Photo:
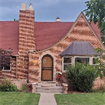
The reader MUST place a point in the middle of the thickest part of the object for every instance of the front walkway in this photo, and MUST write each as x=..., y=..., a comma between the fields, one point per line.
x=47, y=99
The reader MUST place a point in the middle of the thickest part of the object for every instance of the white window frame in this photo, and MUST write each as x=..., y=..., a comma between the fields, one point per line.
x=82, y=57
x=66, y=63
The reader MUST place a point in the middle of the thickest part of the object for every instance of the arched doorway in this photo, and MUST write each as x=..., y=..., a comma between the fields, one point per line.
x=47, y=68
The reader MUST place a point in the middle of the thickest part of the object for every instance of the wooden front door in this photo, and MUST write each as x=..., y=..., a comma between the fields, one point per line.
x=47, y=68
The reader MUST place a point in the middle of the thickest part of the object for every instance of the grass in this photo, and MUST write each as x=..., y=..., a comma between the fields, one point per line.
x=19, y=98
x=80, y=99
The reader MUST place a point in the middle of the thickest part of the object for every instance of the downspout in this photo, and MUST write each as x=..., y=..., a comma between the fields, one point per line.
x=16, y=67
x=28, y=70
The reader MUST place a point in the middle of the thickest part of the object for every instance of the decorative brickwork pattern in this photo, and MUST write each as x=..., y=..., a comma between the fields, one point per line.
x=26, y=41
x=81, y=32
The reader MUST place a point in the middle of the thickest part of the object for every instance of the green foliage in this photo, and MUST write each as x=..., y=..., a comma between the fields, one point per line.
x=81, y=77
x=24, y=87
x=6, y=85
x=101, y=65
x=96, y=13
x=80, y=99
x=15, y=19
x=19, y=98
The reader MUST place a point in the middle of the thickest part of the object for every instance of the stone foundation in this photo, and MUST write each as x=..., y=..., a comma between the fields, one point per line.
x=65, y=87
x=99, y=83
x=19, y=82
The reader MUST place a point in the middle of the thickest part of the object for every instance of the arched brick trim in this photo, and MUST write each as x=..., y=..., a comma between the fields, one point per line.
x=54, y=63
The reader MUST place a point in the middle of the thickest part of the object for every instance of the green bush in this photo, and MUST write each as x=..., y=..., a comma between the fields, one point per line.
x=81, y=77
x=24, y=87
x=6, y=85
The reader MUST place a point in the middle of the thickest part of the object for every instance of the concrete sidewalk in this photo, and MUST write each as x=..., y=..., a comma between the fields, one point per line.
x=47, y=99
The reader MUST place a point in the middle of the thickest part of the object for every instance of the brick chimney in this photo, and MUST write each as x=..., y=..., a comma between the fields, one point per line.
x=26, y=29
x=26, y=39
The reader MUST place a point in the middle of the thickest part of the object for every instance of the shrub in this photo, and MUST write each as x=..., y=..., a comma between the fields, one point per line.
x=6, y=85
x=81, y=77
x=24, y=87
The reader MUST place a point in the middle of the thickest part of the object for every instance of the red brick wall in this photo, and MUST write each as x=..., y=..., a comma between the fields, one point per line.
x=26, y=41
x=80, y=32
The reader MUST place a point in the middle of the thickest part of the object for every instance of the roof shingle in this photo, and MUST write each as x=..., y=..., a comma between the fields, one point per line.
x=9, y=35
x=46, y=34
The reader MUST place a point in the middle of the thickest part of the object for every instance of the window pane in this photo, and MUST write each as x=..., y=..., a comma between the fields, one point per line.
x=82, y=60
x=7, y=67
x=94, y=61
x=1, y=66
x=65, y=66
x=67, y=60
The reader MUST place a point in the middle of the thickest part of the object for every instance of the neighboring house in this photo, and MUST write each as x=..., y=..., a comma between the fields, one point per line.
x=41, y=49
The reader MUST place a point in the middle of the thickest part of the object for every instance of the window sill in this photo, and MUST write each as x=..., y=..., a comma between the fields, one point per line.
x=6, y=70
x=63, y=71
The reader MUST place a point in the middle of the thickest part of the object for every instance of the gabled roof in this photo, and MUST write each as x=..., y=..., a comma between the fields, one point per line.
x=46, y=34
x=96, y=29
x=93, y=27
x=49, y=33
x=79, y=48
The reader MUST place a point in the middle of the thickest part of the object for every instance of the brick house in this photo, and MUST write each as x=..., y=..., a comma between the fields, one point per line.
x=41, y=49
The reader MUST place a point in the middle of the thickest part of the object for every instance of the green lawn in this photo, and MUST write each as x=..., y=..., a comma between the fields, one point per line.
x=19, y=98
x=80, y=99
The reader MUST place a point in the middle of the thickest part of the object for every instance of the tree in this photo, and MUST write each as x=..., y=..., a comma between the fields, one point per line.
x=96, y=13
x=15, y=19
x=100, y=61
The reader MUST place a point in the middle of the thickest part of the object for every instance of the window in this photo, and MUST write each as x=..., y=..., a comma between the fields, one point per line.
x=94, y=60
x=5, y=59
x=84, y=60
x=66, y=61
x=6, y=64
x=7, y=67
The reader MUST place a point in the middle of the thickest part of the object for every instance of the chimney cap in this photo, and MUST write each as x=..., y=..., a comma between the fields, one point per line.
x=58, y=19
x=23, y=6
x=30, y=7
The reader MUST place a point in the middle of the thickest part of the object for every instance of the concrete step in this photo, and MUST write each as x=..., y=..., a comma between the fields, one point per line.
x=47, y=84
x=55, y=89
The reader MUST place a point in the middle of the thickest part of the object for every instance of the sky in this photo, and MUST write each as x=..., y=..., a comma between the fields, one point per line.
x=45, y=10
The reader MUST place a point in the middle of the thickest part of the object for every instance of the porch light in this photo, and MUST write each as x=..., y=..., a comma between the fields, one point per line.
x=35, y=62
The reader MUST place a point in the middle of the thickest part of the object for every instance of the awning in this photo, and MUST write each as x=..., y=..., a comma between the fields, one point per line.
x=79, y=48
